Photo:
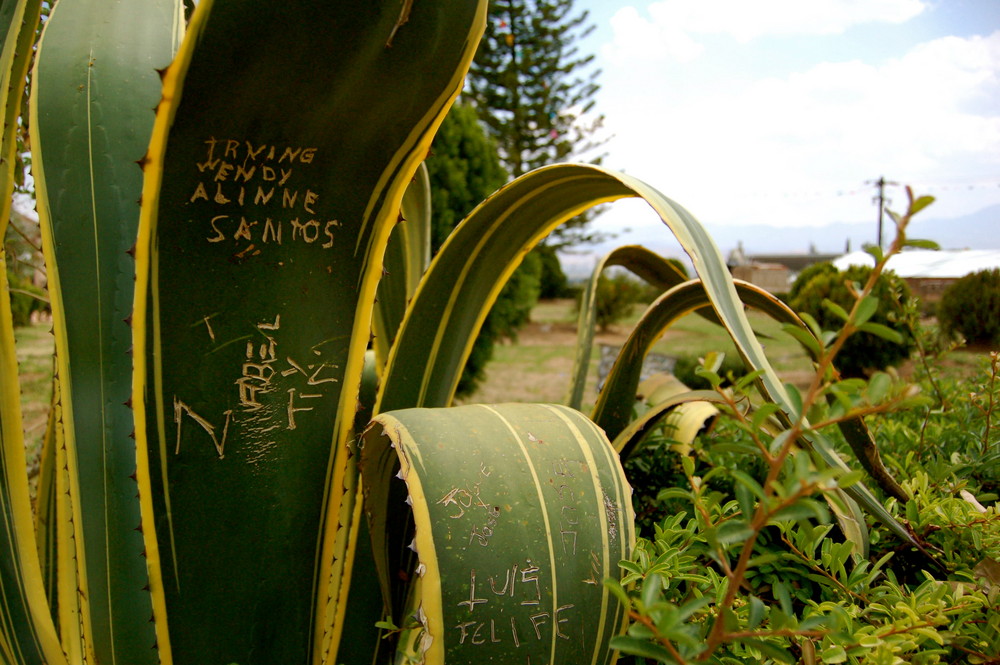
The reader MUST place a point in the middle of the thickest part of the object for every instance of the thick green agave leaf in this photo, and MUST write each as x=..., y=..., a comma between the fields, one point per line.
x=27, y=632
x=93, y=90
x=406, y=258
x=517, y=513
x=286, y=137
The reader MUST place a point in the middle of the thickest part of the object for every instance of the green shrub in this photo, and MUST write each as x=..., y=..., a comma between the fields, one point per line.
x=807, y=594
x=615, y=297
x=553, y=282
x=863, y=351
x=824, y=268
x=971, y=308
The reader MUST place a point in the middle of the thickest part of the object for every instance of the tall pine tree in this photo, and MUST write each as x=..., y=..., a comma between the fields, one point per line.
x=534, y=90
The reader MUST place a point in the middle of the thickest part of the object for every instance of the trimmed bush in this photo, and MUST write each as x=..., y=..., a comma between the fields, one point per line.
x=863, y=352
x=971, y=308
x=615, y=297
x=823, y=268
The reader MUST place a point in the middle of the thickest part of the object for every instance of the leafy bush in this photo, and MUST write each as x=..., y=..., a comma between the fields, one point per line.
x=553, y=279
x=971, y=308
x=615, y=297
x=822, y=268
x=808, y=594
x=864, y=351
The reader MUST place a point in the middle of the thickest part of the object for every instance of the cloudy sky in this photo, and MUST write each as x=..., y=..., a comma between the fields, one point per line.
x=778, y=111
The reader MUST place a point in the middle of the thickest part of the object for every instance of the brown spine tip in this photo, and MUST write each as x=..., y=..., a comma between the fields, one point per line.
x=128, y=402
x=162, y=73
x=128, y=320
x=131, y=251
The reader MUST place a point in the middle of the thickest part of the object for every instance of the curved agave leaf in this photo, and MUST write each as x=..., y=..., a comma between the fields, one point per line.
x=518, y=513
x=685, y=421
x=629, y=438
x=46, y=502
x=273, y=180
x=27, y=632
x=93, y=88
x=648, y=265
x=406, y=259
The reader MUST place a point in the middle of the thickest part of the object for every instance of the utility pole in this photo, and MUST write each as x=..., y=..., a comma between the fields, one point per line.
x=882, y=201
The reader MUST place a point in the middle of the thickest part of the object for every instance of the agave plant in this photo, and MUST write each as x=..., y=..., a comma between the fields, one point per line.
x=211, y=493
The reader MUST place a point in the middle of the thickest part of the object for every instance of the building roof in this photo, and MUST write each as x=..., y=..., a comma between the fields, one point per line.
x=943, y=264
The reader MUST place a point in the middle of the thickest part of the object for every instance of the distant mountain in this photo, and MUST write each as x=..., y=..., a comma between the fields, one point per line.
x=979, y=230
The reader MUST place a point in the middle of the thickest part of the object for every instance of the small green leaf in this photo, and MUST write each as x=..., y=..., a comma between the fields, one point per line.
x=617, y=590
x=920, y=203
x=781, y=593
x=811, y=322
x=651, y=588
x=882, y=331
x=771, y=650
x=805, y=338
x=642, y=648
x=835, y=309
x=878, y=387
x=713, y=361
x=834, y=654
x=794, y=400
x=745, y=499
x=922, y=244
x=850, y=478
x=875, y=251
x=688, y=465
x=802, y=509
x=866, y=308
x=745, y=480
x=733, y=531
x=757, y=612
x=763, y=413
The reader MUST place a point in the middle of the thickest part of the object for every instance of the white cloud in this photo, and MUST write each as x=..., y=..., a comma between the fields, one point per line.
x=778, y=150
x=669, y=30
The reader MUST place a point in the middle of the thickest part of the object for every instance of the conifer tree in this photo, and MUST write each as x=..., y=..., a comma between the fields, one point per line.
x=534, y=90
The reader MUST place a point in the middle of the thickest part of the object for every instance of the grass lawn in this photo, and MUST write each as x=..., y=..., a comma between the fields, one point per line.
x=535, y=368
x=538, y=365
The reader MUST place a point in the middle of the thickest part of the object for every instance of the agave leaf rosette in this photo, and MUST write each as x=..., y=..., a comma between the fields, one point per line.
x=467, y=274
x=514, y=515
x=282, y=147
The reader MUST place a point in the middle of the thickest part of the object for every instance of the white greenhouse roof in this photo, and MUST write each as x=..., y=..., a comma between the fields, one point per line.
x=928, y=263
